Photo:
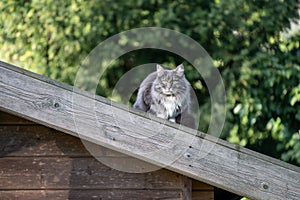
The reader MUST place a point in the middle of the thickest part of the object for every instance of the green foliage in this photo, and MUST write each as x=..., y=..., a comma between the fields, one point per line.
x=259, y=66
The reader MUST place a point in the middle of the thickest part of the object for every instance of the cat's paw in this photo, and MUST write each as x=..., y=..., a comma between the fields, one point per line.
x=172, y=120
x=162, y=115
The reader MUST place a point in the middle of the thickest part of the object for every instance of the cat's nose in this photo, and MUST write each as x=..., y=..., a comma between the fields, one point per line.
x=169, y=91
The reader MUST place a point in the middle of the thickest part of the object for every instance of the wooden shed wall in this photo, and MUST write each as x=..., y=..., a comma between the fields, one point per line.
x=37, y=162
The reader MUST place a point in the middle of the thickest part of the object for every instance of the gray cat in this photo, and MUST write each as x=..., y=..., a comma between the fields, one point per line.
x=164, y=93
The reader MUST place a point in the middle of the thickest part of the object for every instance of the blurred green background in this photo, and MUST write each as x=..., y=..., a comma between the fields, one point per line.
x=250, y=42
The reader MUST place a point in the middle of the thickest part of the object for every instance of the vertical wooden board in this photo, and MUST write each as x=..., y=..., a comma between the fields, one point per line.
x=90, y=194
x=186, y=188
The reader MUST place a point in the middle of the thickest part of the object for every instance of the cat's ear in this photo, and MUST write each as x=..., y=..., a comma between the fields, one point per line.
x=180, y=70
x=159, y=70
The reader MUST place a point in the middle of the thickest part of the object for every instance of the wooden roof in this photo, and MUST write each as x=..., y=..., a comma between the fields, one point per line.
x=204, y=158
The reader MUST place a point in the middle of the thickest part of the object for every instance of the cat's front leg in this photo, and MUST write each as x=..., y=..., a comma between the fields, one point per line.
x=158, y=111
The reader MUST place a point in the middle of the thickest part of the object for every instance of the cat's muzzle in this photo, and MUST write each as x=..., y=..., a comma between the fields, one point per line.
x=170, y=95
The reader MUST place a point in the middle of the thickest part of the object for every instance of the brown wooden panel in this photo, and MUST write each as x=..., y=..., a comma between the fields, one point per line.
x=197, y=185
x=38, y=141
x=6, y=118
x=43, y=141
x=186, y=188
x=78, y=173
x=203, y=195
x=214, y=161
x=90, y=194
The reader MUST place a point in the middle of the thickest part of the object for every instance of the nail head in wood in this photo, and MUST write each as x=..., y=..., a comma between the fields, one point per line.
x=265, y=186
x=187, y=155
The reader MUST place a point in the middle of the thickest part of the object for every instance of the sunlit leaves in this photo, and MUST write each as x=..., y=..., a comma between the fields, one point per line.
x=259, y=66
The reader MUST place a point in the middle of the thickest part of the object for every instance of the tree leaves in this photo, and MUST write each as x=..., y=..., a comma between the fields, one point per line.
x=259, y=66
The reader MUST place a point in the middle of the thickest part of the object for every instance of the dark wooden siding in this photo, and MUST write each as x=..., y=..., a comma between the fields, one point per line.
x=37, y=162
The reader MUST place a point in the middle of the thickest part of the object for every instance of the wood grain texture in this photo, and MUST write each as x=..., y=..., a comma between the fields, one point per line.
x=16, y=140
x=78, y=173
x=38, y=140
x=8, y=119
x=186, y=188
x=197, y=185
x=202, y=195
x=91, y=194
x=114, y=126
x=32, y=156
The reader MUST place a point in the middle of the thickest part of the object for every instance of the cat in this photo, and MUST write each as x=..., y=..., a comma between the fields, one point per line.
x=165, y=93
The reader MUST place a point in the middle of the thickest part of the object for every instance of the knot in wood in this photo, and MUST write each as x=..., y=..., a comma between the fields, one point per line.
x=265, y=186
x=112, y=132
x=56, y=105
x=187, y=155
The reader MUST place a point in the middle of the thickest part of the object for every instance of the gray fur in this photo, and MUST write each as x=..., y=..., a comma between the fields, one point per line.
x=164, y=93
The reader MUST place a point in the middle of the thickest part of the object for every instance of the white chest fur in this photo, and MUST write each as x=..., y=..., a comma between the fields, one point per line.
x=171, y=105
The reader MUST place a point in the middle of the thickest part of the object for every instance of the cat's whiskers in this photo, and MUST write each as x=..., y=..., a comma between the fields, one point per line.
x=165, y=93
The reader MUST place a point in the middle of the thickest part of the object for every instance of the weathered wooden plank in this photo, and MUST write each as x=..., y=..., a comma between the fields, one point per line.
x=38, y=141
x=210, y=160
x=8, y=119
x=90, y=194
x=186, y=188
x=42, y=141
x=78, y=173
x=197, y=185
x=203, y=195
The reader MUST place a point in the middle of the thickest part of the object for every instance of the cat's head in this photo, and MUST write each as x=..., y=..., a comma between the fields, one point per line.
x=170, y=82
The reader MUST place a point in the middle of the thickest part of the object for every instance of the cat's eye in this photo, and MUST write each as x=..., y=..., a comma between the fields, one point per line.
x=164, y=82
